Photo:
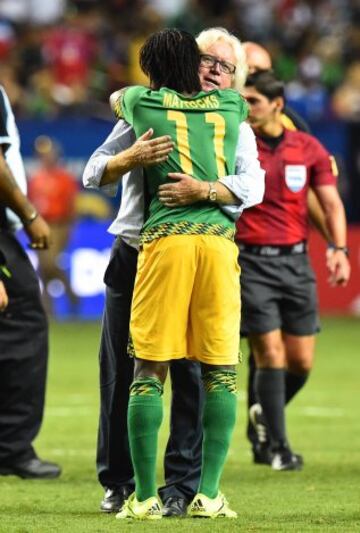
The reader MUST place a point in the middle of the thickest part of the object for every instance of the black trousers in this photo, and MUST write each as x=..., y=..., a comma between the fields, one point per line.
x=183, y=452
x=23, y=355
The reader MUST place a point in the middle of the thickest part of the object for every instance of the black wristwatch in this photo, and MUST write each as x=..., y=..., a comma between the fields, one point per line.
x=344, y=249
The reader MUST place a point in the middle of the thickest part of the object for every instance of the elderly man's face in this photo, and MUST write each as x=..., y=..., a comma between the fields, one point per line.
x=216, y=76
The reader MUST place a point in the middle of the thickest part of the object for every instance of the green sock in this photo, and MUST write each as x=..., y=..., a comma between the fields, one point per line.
x=219, y=419
x=145, y=413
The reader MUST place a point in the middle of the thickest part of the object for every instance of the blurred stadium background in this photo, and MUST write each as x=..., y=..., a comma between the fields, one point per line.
x=60, y=60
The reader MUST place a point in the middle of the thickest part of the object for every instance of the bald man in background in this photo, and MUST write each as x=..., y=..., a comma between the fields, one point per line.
x=258, y=58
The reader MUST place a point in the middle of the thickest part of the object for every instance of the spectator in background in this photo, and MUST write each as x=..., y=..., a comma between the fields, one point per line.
x=53, y=190
x=23, y=325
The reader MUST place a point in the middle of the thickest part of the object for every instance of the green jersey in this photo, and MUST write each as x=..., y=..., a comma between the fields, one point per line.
x=205, y=130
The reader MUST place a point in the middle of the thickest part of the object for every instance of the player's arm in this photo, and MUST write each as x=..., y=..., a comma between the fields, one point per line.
x=337, y=261
x=12, y=196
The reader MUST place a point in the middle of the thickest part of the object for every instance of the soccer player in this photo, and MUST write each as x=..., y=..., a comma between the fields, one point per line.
x=278, y=285
x=186, y=301
x=183, y=453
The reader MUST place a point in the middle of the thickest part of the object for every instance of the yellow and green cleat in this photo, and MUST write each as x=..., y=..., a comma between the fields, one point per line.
x=204, y=507
x=149, y=509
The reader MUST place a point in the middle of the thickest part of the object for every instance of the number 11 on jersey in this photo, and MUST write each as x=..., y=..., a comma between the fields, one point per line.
x=182, y=139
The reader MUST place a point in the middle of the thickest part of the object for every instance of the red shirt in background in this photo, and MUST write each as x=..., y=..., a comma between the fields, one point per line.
x=53, y=193
x=297, y=163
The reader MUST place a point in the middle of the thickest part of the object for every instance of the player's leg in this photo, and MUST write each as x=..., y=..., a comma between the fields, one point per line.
x=113, y=460
x=158, y=334
x=145, y=414
x=219, y=417
x=214, y=340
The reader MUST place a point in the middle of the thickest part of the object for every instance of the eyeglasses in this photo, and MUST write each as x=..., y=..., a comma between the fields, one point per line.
x=211, y=61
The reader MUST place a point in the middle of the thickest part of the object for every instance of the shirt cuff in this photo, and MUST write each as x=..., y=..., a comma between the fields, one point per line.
x=93, y=174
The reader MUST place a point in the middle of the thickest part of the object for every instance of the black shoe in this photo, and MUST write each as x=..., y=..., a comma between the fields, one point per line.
x=262, y=453
x=285, y=459
x=175, y=506
x=114, y=499
x=33, y=468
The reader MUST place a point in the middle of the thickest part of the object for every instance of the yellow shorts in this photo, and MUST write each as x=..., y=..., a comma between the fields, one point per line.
x=186, y=301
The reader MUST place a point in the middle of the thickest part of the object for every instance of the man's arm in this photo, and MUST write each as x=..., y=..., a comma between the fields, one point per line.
x=3, y=297
x=12, y=196
x=234, y=193
x=337, y=261
x=144, y=152
x=120, y=153
x=187, y=190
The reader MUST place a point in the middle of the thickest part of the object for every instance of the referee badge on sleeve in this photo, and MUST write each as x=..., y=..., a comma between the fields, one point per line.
x=295, y=177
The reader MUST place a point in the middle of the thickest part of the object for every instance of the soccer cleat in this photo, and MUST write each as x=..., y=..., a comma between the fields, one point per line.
x=204, y=507
x=285, y=459
x=257, y=419
x=150, y=509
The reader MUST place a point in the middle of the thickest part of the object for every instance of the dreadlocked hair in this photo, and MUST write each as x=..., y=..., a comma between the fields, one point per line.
x=171, y=59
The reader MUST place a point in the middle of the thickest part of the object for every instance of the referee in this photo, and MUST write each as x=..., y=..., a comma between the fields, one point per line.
x=278, y=285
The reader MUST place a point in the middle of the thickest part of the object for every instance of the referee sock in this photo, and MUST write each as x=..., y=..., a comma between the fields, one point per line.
x=219, y=419
x=293, y=383
x=145, y=413
x=270, y=389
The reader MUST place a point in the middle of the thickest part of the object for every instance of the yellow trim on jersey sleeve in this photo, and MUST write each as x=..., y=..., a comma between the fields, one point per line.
x=334, y=167
x=287, y=122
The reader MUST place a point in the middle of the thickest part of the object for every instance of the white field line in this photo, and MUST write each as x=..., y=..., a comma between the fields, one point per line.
x=72, y=452
x=322, y=412
x=70, y=411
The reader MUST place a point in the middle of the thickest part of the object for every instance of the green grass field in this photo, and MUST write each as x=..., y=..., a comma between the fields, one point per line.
x=323, y=424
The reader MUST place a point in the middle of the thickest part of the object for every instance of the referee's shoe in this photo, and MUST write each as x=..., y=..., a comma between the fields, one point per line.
x=285, y=459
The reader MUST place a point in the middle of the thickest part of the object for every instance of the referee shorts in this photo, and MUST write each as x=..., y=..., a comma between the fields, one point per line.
x=278, y=293
x=186, y=301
